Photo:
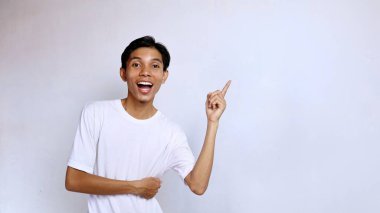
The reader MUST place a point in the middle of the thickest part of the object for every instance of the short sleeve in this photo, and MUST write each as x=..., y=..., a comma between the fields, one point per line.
x=181, y=158
x=83, y=152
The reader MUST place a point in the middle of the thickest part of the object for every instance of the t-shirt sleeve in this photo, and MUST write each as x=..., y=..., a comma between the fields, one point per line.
x=83, y=152
x=181, y=158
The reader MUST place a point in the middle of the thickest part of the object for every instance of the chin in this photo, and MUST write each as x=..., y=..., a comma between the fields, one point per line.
x=145, y=99
x=136, y=96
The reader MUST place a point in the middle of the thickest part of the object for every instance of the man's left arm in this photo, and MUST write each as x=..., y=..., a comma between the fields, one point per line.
x=199, y=177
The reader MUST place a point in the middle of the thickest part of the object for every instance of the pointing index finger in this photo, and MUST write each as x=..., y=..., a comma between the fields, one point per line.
x=225, y=88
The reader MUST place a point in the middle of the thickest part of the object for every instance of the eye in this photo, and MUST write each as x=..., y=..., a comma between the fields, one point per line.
x=156, y=66
x=135, y=65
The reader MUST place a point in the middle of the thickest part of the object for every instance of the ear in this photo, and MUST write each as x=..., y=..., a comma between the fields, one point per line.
x=123, y=74
x=165, y=76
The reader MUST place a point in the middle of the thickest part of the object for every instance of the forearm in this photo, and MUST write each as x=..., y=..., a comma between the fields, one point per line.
x=79, y=181
x=200, y=175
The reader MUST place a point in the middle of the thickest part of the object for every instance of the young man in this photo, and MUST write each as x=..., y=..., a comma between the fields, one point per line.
x=122, y=147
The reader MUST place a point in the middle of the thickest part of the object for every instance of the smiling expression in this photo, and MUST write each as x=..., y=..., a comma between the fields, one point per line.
x=144, y=74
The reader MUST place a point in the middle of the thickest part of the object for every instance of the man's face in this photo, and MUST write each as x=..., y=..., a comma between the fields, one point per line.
x=144, y=74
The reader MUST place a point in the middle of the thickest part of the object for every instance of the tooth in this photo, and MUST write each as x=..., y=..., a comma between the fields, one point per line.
x=145, y=83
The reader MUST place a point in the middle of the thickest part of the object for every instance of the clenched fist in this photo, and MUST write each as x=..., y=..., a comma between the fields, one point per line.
x=148, y=187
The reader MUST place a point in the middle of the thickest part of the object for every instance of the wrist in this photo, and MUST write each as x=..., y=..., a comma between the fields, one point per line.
x=213, y=124
x=132, y=187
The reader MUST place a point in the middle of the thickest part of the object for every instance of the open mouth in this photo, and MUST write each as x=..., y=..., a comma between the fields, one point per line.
x=144, y=86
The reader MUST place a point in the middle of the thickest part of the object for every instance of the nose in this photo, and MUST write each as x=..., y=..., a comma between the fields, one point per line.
x=145, y=71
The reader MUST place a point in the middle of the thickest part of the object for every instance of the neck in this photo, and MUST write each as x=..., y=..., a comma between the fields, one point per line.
x=137, y=109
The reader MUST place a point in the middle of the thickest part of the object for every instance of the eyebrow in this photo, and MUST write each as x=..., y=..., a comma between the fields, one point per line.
x=154, y=59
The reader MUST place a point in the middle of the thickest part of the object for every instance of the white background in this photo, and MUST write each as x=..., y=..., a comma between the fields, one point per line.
x=301, y=132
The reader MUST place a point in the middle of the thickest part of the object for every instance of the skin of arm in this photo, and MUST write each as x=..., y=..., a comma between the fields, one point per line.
x=199, y=177
x=79, y=181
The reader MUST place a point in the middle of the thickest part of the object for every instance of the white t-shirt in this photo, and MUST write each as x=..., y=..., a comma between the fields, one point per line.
x=111, y=143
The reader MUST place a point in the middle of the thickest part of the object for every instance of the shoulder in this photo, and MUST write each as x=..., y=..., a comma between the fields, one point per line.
x=98, y=105
x=174, y=128
x=169, y=123
x=97, y=108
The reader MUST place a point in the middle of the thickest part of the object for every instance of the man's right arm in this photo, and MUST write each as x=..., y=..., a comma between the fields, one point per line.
x=79, y=181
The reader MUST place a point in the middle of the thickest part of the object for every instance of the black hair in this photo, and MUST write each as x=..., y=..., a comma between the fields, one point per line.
x=146, y=41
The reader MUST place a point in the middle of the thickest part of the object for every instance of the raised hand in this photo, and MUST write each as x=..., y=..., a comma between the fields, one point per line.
x=148, y=187
x=216, y=104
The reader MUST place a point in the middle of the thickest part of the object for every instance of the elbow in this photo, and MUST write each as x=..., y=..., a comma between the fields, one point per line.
x=196, y=185
x=198, y=189
x=69, y=185
x=199, y=192
x=70, y=182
